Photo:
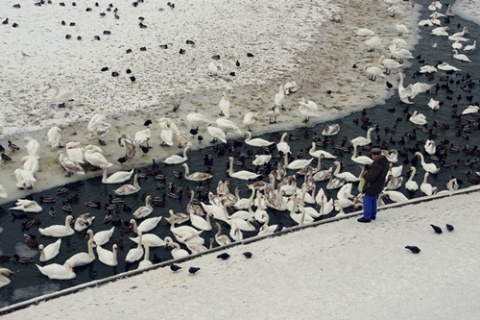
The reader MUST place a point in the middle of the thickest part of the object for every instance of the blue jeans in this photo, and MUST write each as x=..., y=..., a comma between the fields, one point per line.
x=369, y=207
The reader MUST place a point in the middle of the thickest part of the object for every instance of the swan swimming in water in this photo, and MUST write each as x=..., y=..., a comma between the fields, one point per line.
x=196, y=176
x=363, y=141
x=5, y=275
x=55, y=271
x=331, y=130
x=107, y=257
x=418, y=118
x=49, y=252
x=58, y=230
x=429, y=167
x=128, y=188
x=256, y=142
x=243, y=174
x=82, y=258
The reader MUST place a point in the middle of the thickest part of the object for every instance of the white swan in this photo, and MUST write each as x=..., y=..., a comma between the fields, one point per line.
x=279, y=98
x=364, y=32
x=83, y=221
x=458, y=35
x=143, y=136
x=75, y=151
x=3, y=192
x=144, y=211
x=196, y=176
x=418, y=118
x=373, y=72
x=145, y=263
x=256, y=142
x=308, y=109
x=345, y=175
x=411, y=185
x=363, y=141
x=147, y=224
x=101, y=237
x=331, y=130
x=5, y=275
x=426, y=187
x=198, y=119
x=184, y=231
x=296, y=164
x=176, y=252
x=55, y=271
x=216, y=133
x=243, y=174
x=30, y=163
x=128, y=188
x=470, y=109
x=32, y=146
x=445, y=66
x=430, y=147
x=224, y=105
x=374, y=43
x=117, y=177
x=320, y=153
x=176, y=159
x=433, y=104
x=221, y=239
x=262, y=159
x=58, y=230
x=95, y=158
x=401, y=28
x=440, y=31
x=412, y=90
x=54, y=135
x=26, y=205
x=471, y=47
x=249, y=119
x=70, y=164
x=135, y=254
x=395, y=196
x=228, y=126
x=300, y=218
x=429, y=167
x=283, y=146
x=108, y=257
x=199, y=222
x=49, y=252
x=61, y=97
x=362, y=160
x=82, y=258
x=460, y=56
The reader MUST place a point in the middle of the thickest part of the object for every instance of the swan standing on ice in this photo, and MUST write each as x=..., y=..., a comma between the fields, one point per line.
x=227, y=126
x=308, y=109
x=54, y=135
x=198, y=119
x=401, y=28
x=290, y=87
x=25, y=178
x=61, y=97
x=364, y=32
x=389, y=64
x=250, y=119
x=279, y=98
x=128, y=144
x=224, y=105
x=216, y=133
x=30, y=163
x=3, y=192
x=32, y=146
x=373, y=72
x=69, y=164
x=95, y=158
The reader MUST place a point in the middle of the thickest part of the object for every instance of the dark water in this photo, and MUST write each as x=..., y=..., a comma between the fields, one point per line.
x=28, y=282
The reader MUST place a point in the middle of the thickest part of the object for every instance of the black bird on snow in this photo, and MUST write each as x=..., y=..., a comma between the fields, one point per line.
x=436, y=229
x=247, y=254
x=413, y=249
x=175, y=267
x=193, y=270
x=450, y=227
x=223, y=256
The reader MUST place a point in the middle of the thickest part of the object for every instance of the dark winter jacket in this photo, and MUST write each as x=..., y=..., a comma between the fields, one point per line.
x=375, y=176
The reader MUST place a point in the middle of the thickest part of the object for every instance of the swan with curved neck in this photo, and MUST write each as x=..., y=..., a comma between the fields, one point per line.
x=411, y=185
x=144, y=211
x=363, y=141
x=243, y=174
x=135, y=254
x=196, y=176
x=128, y=188
x=60, y=97
x=429, y=167
x=362, y=160
x=221, y=239
x=176, y=252
x=58, y=230
x=49, y=252
x=117, y=177
x=347, y=176
x=55, y=271
x=426, y=187
x=283, y=146
x=108, y=257
x=145, y=263
x=82, y=258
